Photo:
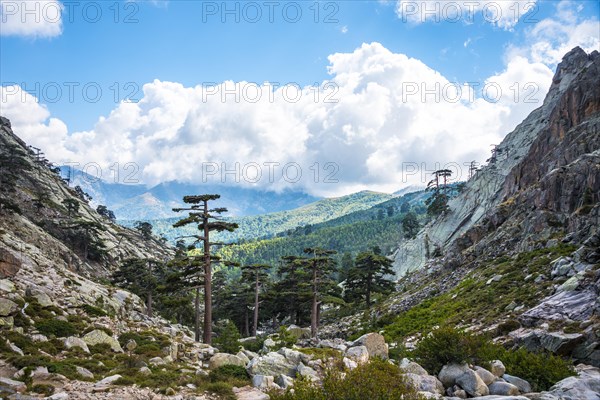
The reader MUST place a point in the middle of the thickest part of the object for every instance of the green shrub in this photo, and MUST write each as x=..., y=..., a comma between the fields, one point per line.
x=101, y=348
x=94, y=311
x=321, y=353
x=47, y=390
x=506, y=327
x=255, y=345
x=541, y=370
x=55, y=327
x=228, y=337
x=448, y=345
x=376, y=380
x=222, y=389
x=234, y=374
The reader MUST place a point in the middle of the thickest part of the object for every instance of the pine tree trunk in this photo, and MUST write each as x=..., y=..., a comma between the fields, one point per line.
x=368, y=294
x=197, y=317
x=246, y=327
x=149, y=304
x=255, y=321
x=313, y=314
x=207, y=281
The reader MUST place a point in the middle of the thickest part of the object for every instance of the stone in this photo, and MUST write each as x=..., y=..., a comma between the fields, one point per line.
x=284, y=381
x=425, y=383
x=59, y=396
x=6, y=286
x=350, y=364
x=451, y=372
x=503, y=389
x=220, y=359
x=39, y=338
x=471, y=383
x=109, y=380
x=375, y=344
x=145, y=371
x=7, y=322
x=495, y=278
x=241, y=355
x=16, y=386
x=249, y=393
x=263, y=382
x=412, y=367
x=570, y=284
x=485, y=375
x=497, y=368
x=86, y=373
x=307, y=372
x=99, y=336
x=561, y=343
x=7, y=307
x=15, y=348
x=42, y=297
x=272, y=364
x=156, y=361
x=298, y=332
x=584, y=386
x=358, y=354
x=295, y=357
x=73, y=341
x=521, y=384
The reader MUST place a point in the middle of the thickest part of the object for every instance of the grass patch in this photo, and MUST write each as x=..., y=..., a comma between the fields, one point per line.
x=55, y=327
x=321, y=353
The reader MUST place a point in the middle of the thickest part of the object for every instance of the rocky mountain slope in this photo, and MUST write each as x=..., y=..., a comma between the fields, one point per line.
x=519, y=249
x=543, y=180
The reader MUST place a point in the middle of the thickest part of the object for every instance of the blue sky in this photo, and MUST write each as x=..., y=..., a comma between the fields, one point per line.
x=194, y=42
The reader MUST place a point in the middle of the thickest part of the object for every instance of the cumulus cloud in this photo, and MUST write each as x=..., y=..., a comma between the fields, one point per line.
x=381, y=122
x=550, y=39
x=504, y=14
x=39, y=18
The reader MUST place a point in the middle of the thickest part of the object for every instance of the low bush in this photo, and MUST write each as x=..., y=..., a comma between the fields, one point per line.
x=228, y=337
x=448, y=345
x=234, y=374
x=55, y=327
x=377, y=380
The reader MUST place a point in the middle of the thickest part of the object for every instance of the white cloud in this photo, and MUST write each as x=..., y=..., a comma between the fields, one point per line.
x=504, y=13
x=39, y=18
x=550, y=39
x=393, y=113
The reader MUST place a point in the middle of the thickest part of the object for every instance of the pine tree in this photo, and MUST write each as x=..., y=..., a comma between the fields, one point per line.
x=142, y=277
x=207, y=220
x=321, y=267
x=369, y=276
x=258, y=274
x=410, y=225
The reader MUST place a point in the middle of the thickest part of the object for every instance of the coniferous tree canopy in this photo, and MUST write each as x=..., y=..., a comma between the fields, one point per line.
x=369, y=276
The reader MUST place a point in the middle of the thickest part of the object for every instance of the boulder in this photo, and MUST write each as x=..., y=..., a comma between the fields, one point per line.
x=7, y=307
x=503, y=389
x=358, y=354
x=284, y=381
x=73, y=341
x=561, y=343
x=412, y=367
x=16, y=386
x=472, y=384
x=451, y=372
x=307, y=372
x=263, y=382
x=98, y=336
x=249, y=393
x=243, y=357
x=299, y=333
x=156, y=361
x=109, y=380
x=42, y=297
x=485, y=375
x=145, y=371
x=293, y=356
x=272, y=364
x=220, y=359
x=348, y=363
x=424, y=383
x=521, y=384
x=375, y=344
x=584, y=386
x=7, y=322
x=6, y=286
x=86, y=373
x=497, y=368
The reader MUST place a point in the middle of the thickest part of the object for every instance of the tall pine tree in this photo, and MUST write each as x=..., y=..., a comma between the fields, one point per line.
x=207, y=220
